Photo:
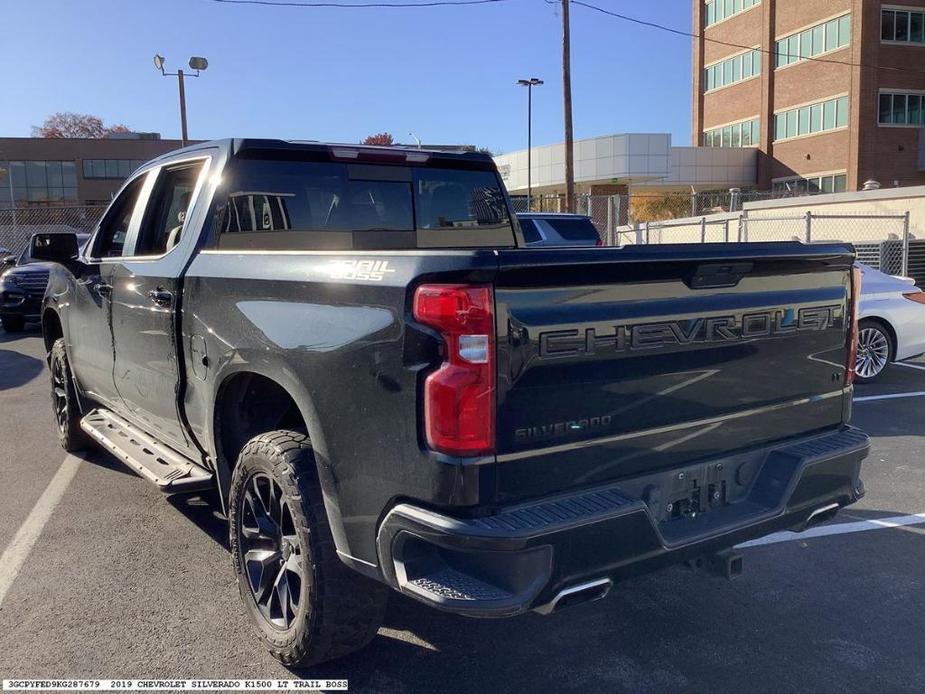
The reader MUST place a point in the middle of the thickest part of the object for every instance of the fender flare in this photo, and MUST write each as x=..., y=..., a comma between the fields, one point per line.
x=277, y=370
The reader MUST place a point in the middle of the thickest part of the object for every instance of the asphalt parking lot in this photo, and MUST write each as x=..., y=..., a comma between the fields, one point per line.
x=123, y=582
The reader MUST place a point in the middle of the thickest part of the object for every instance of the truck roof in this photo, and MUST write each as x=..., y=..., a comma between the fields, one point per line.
x=239, y=146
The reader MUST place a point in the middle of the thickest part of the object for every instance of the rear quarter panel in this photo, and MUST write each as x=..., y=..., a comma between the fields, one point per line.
x=331, y=328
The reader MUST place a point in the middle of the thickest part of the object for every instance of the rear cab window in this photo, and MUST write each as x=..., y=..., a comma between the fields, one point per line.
x=277, y=203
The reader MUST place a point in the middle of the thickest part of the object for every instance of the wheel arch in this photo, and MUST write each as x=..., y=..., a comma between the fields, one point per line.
x=52, y=329
x=245, y=379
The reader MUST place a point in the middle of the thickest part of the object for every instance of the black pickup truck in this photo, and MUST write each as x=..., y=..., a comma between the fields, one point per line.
x=387, y=390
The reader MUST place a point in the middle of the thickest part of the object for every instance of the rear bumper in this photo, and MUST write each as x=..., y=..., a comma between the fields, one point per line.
x=521, y=558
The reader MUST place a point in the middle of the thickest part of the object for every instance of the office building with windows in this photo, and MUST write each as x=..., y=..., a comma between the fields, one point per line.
x=72, y=171
x=830, y=94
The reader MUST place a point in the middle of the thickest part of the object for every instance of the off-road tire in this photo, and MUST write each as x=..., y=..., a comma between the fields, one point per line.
x=70, y=435
x=340, y=610
x=13, y=324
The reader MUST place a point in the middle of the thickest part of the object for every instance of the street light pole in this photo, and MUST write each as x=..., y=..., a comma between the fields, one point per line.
x=196, y=63
x=184, y=135
x=530, y=84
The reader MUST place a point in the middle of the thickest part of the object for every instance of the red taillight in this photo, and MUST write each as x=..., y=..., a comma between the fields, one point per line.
x=853, y=308
x=917, y=297
x=459, y=397
x=599, y=242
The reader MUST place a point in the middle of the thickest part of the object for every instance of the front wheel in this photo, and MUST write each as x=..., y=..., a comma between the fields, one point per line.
x=64, y=400
x=308, y=607
x=875, y=350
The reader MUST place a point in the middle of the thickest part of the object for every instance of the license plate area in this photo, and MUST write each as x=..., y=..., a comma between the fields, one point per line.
x=693, y=492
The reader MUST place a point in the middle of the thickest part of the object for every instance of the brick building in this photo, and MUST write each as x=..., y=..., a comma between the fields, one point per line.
x=75, y=171
x=831, y=93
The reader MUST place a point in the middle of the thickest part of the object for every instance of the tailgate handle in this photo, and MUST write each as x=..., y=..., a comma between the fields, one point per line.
x=713, y=275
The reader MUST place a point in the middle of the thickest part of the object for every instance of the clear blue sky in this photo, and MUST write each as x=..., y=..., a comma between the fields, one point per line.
x=446, y=73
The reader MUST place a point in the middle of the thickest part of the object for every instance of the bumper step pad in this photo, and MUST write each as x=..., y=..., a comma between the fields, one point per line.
x=164, y=467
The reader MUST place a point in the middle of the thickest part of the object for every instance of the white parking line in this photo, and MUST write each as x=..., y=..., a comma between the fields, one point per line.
x=838, y=529
x=16, y=553
x=909, y=366
x=891, y=396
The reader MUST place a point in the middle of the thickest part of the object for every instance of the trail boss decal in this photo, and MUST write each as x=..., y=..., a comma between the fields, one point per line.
x=779, y=322
x=369, y=270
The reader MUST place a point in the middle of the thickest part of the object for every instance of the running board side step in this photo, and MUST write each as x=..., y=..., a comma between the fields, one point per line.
x=168, y=470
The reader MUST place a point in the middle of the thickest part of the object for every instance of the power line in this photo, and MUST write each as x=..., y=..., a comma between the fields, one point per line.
x=360, y=5
x=687, y=34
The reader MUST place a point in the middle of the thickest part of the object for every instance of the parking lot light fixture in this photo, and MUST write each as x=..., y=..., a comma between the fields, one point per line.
x=197, y=63
x=529, y=84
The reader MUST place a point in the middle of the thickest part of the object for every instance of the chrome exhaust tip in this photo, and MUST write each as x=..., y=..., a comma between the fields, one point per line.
x=576, y=595
x=821, y=514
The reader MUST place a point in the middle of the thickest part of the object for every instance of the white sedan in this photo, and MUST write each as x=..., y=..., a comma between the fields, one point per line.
x=892, y=322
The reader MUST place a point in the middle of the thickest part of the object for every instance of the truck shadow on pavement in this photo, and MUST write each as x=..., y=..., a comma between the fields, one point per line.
x=18, y=369
x=677, y=631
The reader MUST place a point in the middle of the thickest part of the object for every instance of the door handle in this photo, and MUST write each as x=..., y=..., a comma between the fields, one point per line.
x=103, y=289
x=161, y=297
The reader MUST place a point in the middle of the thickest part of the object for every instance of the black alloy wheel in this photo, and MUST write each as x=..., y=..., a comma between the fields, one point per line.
x=271, y=551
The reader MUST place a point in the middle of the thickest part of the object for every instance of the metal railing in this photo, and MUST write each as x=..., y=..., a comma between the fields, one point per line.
x=882, y=240
x=17, y=225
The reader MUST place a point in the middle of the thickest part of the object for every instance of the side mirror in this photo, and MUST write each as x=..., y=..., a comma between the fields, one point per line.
x=57, y=248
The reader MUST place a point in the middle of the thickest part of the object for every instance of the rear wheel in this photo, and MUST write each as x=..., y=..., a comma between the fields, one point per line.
x=64, y=400
x=13, y=324
x=875, y=350
x=306, y=604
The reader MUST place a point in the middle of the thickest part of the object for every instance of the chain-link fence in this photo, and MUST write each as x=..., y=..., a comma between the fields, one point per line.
x=607, y=212
x=19, y=224
x=882, y=241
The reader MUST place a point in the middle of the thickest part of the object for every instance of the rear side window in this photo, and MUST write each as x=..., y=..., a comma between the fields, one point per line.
x=166, y=214
x=574, y=229
x=271, y=204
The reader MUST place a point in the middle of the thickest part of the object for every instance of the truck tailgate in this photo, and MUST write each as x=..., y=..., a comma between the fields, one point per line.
x=618, y=362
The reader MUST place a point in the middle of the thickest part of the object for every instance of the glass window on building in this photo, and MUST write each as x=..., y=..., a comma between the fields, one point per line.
x=902, y=26
x=887, y=25
x=37, y=183
x=803, y=185
x=841, y=112
x=906, y=26
x=116, y=169
x=901, y=109
x=828, y=36
x=811, y=119
x=917, y=27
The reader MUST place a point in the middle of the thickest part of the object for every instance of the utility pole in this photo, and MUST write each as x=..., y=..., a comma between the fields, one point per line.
x=567, y=103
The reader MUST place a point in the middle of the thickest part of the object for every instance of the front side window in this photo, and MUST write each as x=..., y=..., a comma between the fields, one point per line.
x=114, y=228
